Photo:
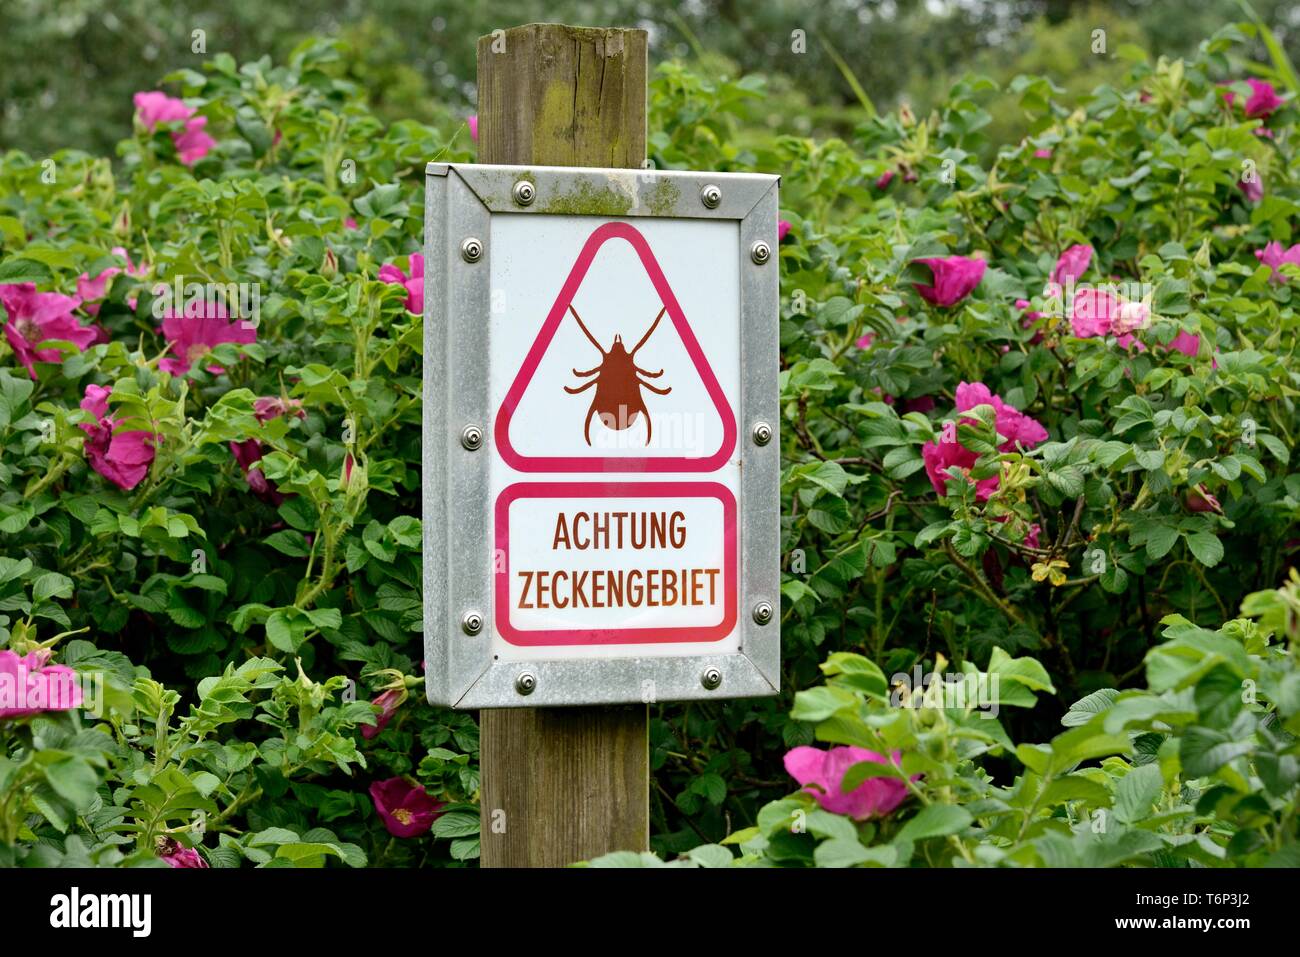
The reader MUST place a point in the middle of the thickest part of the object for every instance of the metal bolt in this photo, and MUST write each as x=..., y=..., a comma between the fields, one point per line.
x=762, y=433
x=711, y=678
x=525, y=682
x=760, y=252
x=763, y=612
x=471, y=250
x=471, y=623
x=711, y=196
x=472, y=438
x=525, y=193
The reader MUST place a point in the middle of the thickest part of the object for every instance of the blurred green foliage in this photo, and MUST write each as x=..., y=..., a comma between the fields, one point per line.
x=79, y=61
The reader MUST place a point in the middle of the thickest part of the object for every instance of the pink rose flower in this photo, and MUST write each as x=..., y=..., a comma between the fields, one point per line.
x=406, y=808
x=122, y=458
x=1042, y=153
x=248, y=452
x=1252, y=189
x=950, y=459
x=822, y=772
x=29, y=686
x=1072, y=264
x=945, y=460
x=1275, y=255
x=1012, y=424
x=865, y=340
x=955, y=277
x=1263, y=99
x=178, y=855
x=270, y=407
x=782, y=230
x=1130, y=317
x=1028, y=319
x=1188, y=343
x=92, y=291
x=473, y=127
x=884, y=179
x=387, y=702
x=349, y=223
x=1099, y=312
x=414, y=283
x=36, y=317
x=193, y=335
x=191, y=142
x=157, y=107
x=1199, y=500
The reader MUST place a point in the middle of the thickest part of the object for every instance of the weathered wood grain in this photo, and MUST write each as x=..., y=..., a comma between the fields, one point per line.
x=557, y=95
x=563, y=784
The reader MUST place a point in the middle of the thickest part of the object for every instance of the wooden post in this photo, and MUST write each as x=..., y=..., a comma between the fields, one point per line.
x=563, y=784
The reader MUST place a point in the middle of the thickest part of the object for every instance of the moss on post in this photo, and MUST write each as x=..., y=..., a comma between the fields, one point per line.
x=564, y=784
x=557, y=95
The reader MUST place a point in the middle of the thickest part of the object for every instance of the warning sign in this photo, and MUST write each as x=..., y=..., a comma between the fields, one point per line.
x=601, y=455
x=616, y=562
x=623, y=371
x=616, y=359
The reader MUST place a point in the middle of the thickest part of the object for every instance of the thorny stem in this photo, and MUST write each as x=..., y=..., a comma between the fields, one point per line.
x=982, y=586
x=53, y=475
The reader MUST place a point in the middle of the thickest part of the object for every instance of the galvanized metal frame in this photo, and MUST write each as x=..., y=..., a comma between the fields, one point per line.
x=461, y=671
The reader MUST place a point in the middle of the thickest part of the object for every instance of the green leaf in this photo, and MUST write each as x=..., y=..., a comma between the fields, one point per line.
x=325, y=617
x=460, y=849
x=1074, y=787
x=1160, y=539
x=11, y=568
x=1137, y=792
x=1068, y=481
x=51, y=585
x=710, y=786
x=849, y=852
x=1202, y=751
x=72, y=778
x=1275, y=446
x=864, y=770
x=25, y=270
x=456, y=824
x=289, y=542
x=1206, y=547
x=285, y=629
x=1088, y=707
x=711, y=855
x=818, y=704
x=405, y=530
x=936, y=820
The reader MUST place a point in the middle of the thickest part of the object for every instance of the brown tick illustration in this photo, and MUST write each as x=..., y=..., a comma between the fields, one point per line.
x=618, y=383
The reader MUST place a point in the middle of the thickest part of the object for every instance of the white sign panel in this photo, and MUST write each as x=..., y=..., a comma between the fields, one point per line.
x=601, y=374
x=605, y=388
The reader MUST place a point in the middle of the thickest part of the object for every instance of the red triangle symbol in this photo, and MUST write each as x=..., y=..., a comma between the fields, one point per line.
x=614, y=463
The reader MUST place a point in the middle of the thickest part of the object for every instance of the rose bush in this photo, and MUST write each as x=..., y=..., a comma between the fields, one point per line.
x=210, y=434
x=1039, y=406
